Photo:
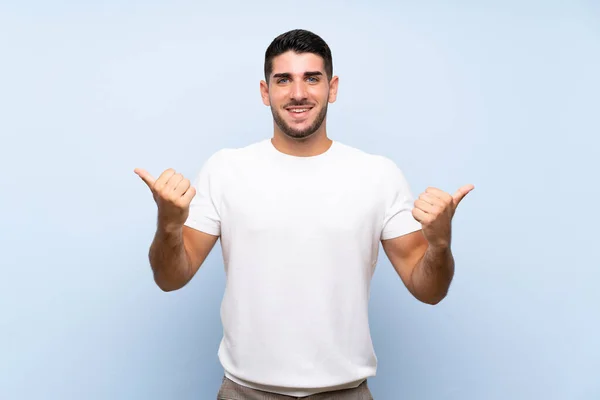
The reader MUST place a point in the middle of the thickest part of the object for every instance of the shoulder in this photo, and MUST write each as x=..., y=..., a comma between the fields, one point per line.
x=374, y=162
x=228, y=156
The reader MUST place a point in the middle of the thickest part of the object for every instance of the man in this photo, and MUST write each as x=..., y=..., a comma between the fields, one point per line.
x=300, y=218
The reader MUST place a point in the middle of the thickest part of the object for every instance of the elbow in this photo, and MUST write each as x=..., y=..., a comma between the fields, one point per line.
x=166, y=285
x=166, y=280
x=433, y=300
x=166, y=288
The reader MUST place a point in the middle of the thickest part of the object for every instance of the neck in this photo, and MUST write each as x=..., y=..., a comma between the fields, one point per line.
x=315, y=144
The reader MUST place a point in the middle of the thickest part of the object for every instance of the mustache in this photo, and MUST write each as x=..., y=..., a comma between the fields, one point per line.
x=298, y=103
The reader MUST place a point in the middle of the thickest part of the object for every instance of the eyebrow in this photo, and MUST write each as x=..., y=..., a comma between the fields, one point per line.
x=288, y=75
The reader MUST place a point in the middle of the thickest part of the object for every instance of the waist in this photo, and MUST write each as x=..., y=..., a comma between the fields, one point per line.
x=297, y=371
x=294, y=392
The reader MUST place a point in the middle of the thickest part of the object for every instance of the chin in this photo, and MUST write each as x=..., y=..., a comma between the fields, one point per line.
x=303, y=137
x=297, y=135
x=298, y=130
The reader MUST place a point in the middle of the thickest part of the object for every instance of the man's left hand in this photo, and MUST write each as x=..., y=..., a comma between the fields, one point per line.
x=434, y=209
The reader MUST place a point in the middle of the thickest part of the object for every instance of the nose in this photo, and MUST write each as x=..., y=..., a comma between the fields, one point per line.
x=298, y=91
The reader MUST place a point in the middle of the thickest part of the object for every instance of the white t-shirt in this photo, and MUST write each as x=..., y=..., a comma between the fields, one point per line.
x=300, y=239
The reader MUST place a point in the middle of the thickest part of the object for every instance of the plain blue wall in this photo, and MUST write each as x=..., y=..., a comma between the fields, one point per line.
x=503, y=95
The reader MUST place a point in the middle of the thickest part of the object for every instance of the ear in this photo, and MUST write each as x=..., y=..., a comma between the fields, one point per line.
x=333, y=89
x=264, y=93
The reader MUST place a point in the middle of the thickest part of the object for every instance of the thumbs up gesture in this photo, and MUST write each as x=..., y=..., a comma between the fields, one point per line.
x=172, y=194
x=434, y=209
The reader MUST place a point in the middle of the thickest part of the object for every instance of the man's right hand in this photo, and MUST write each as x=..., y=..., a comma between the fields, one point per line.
x=172, y=194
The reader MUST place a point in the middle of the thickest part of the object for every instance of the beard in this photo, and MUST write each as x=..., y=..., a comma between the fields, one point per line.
x=299, y=134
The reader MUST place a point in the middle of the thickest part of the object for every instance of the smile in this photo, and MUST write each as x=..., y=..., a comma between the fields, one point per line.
x=298, y=111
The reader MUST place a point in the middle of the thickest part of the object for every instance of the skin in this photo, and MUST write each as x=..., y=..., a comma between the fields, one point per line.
x=299, y=79
x=177, y=251
x=423, y=259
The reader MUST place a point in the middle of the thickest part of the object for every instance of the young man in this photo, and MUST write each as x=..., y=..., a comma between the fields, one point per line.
x=300, y=218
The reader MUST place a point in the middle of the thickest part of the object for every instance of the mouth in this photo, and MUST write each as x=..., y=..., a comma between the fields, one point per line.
x=298, y=112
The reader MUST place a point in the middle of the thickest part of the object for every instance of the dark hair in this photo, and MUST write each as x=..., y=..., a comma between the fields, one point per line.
x=299, y=41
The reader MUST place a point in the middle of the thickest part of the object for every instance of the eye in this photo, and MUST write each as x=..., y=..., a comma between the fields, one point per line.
x=281, y=80
x=313, y=79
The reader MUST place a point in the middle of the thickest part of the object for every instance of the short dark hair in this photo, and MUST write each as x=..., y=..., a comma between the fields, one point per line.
x=299, y=41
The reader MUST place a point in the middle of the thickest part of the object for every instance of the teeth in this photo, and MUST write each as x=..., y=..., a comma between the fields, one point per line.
x=299, y=111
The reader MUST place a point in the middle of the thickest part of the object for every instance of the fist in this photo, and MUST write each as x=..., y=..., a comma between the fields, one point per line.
x=172, y=194
x=434, y=209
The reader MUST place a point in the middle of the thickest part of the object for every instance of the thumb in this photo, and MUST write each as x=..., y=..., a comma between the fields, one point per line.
x=146, y=177
x=461, y=193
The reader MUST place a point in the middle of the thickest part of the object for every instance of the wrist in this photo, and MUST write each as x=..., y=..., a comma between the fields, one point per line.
x=169, y=227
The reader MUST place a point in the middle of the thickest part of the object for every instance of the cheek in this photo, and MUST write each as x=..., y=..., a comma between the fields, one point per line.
x=320, y=94
x=277, y=98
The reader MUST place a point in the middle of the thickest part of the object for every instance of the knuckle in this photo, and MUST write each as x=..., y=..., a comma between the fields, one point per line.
x=182, y=203
x=173, y=197
x=173, y=179
x=165, y=194
x=159, y=190
x=166, y=175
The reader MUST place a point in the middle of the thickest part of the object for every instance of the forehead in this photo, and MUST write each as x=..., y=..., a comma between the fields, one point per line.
x=297, y=63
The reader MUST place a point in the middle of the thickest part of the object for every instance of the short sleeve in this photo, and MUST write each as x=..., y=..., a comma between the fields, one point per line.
x=398, y=220
x=204, y=212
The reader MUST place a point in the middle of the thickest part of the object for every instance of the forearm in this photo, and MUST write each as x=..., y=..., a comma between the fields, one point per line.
x=430, y=279
x=169, y=260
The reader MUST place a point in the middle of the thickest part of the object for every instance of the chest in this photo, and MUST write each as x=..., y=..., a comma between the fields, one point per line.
x=338, y=202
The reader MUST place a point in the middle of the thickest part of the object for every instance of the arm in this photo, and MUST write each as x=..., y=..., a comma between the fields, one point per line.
x=177, y=254
x=177, y=251
x=426, y=271
x=423, y=259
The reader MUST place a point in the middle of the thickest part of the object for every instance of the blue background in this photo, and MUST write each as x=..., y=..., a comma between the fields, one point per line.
x=501, y=94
